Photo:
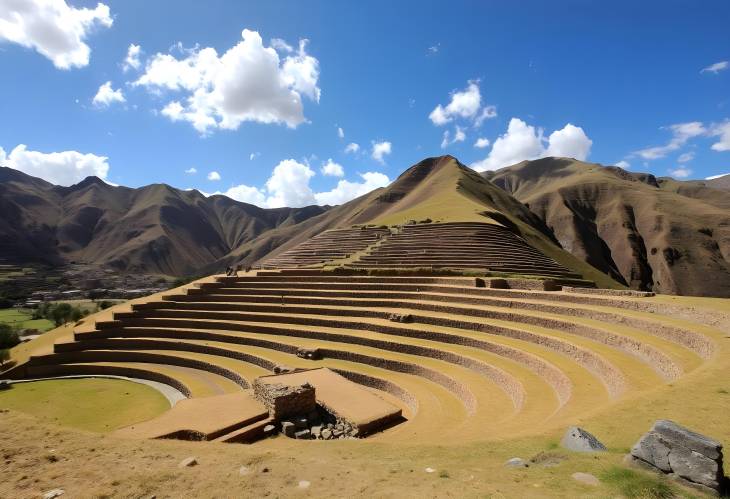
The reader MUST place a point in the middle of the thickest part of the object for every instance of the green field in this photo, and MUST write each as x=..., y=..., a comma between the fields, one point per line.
x=94, y=404
x=22, y=318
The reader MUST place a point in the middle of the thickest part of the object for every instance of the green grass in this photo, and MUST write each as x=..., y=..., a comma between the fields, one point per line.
x=21, y=318
x=637, y=485
x=94, y=404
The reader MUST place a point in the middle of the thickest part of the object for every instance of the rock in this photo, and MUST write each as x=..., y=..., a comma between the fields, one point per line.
x=316, y=431
x=516, y=462
x=579, y=440
x=301, y=422
x=188, y=462
x=326, y=434
x=244, y=470
x=354, y=433
x=288, y=428
x=429, y=470
x=304, y=434
x=51, y=494
x=338, y=433
x=269, y=430
x=304, y=484
x=586, y=478
x=684, y=455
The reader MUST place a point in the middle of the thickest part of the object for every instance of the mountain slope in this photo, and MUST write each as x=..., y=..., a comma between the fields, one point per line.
x=153, y=229
x=439, y=188
x=650, y=233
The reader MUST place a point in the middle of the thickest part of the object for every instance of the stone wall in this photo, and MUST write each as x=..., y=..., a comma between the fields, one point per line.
x=284, y=401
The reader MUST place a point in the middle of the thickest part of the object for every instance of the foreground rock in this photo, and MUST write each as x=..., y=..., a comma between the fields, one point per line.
x=689, y=457
x=579, y=440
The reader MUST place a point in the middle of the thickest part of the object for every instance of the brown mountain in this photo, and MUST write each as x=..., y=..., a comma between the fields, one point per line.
x=439, y=188
x=155, y=229
x=650, y=233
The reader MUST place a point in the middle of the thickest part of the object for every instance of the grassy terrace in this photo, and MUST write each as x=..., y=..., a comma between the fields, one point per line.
x=22, y=318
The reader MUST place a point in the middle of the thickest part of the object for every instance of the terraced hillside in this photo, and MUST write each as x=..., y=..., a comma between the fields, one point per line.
x=455, y=357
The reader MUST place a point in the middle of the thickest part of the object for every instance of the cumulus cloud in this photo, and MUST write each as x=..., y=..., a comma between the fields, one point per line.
x=246, y=194
x=680, y=172
x=464, y=104
x=214, y=175
x=132, y=61
x=340, y=132
x=106, y=95
x=281, y=45
x=191, y=171
x=332, y=169
x=570, y=142
x=289, y=185
x=249, y=82
x=53, y=28
x=523, y=141
x=253, y=156
x=716, y=68
x=481, y=143
x=352, y=147
x=380, y=150
x=61, y=168
x=459, y=136
x=681, y=133
x=624, y=164
x=721, y=130
x=346, y=190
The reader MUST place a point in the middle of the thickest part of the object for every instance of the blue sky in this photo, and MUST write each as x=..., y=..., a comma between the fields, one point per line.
x=642, y=83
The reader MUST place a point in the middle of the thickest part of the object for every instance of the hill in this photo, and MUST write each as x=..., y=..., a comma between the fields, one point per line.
x=650, y=233
x=155, y=229
x=440, y=189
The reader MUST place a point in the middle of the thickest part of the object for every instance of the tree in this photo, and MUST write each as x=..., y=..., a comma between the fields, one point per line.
x=4, y=356
x=8, y=337
x=61, y=313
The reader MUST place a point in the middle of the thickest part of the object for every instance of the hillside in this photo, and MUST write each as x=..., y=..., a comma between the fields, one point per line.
x=439, y=188
x=155, y=229
x=651, y=233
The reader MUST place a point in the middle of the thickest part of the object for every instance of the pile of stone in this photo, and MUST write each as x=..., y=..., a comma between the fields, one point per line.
x=403, y=318
x=318, y=425
x=284, y=401
x=309, y=353
x=688, y=457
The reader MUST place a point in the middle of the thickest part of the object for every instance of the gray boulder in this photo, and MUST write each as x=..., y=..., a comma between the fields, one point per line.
x=288, y=428
x=579, y=440
x=516, y=462
x=689, y=457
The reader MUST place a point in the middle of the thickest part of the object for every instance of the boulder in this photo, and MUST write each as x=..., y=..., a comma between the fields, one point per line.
x=303, y=434
x=516, y=462
x=579, y=440
x=288, y=428
x=188, y=462
x=326, y=434
x=52, y=494
x=684, y=455
x=269, y=430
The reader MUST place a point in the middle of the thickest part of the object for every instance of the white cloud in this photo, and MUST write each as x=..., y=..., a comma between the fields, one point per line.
x=481, y=143
x=191, y=171
x=352, y=147
x=681, y=133
x=624, y=164
x=346, y=190
x=3, y=156
x=253, y=156
x=716, y=68
x=570, y=142
x=340, y=132
x=680, y=172
x=721, y=130
x=132, y=60
x=214, y=175
x=459, y=136
x=249, y=82
x=381, y=149
x=246, y=194
x=281, y=45
x=434, y=49
x=465, y=104
x=53, y=28
x=332, y=169
x=713, y=177
x=523, y=141
x=686, y=157
x=106, y=95
x=62, y=168
x=289, y=185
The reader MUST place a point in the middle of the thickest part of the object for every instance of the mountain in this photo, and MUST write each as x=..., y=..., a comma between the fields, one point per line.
x=155, y=229
x=650, y=233
x=441, y=189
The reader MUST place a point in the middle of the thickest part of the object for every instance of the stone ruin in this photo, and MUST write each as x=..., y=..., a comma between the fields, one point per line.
x=688, y=457
x=294, y=409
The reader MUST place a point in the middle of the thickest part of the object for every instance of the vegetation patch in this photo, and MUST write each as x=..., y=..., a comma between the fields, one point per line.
x=94, y=404
x=637, y=485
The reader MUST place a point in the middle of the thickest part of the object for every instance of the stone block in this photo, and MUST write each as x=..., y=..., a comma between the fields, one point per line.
x=283, y=401
x=579, y=440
